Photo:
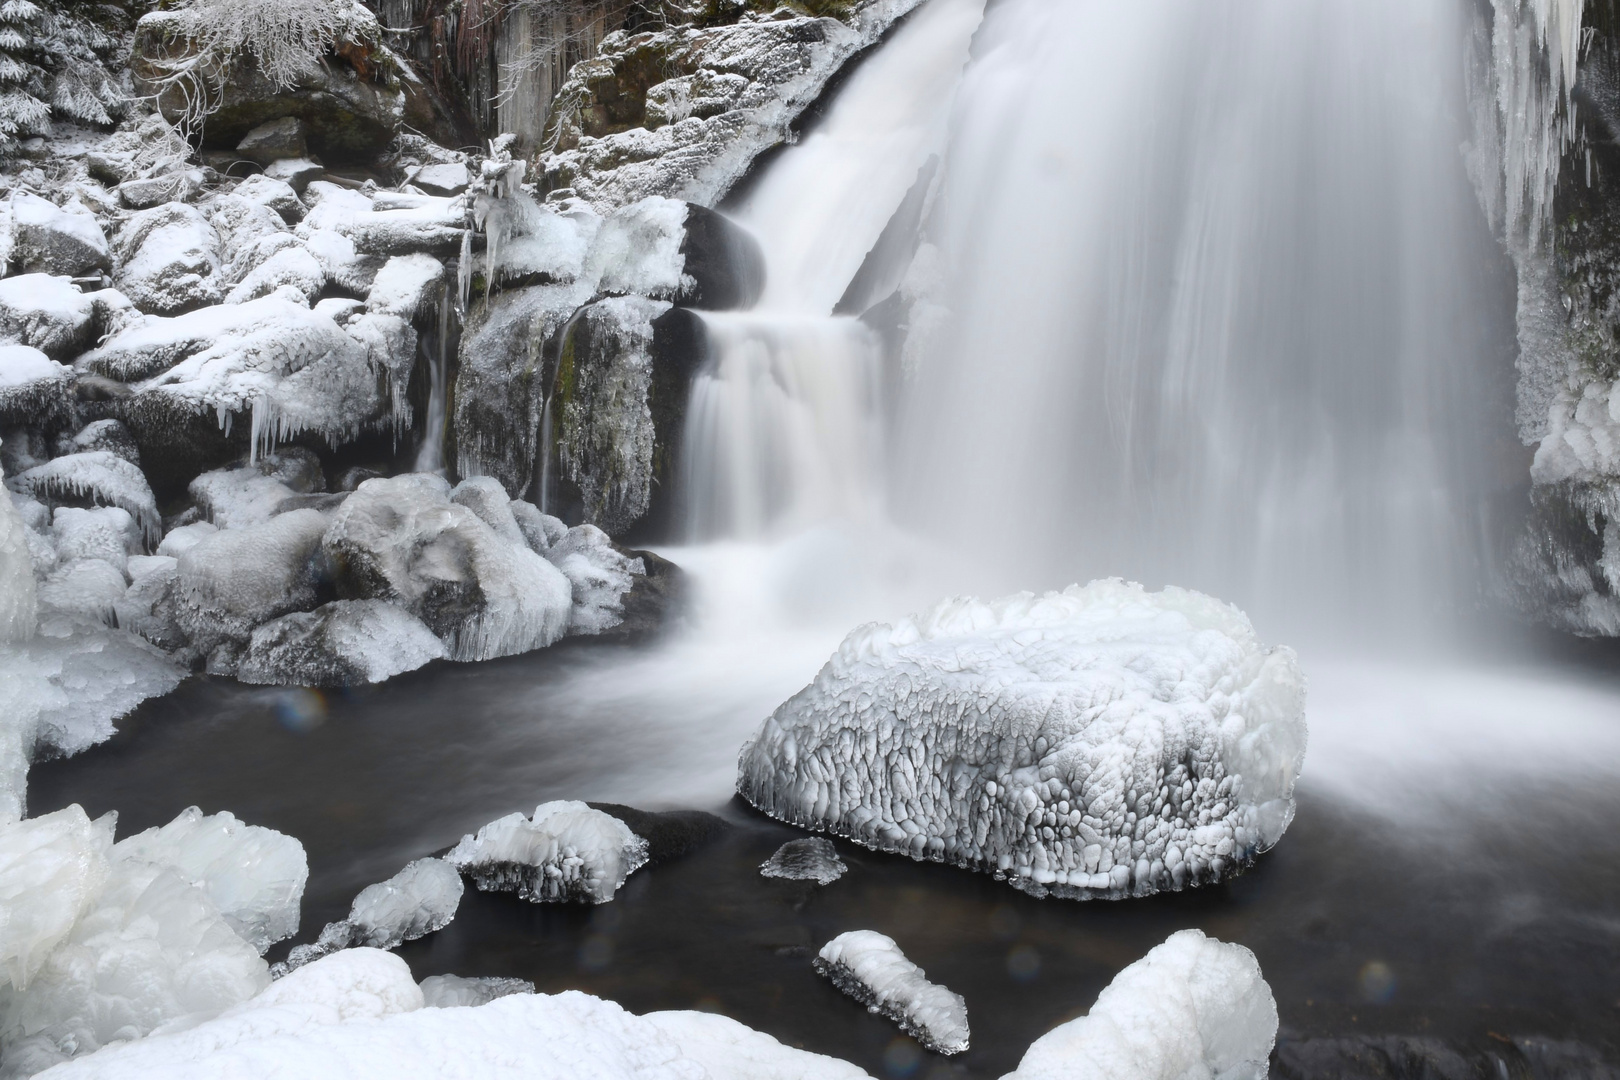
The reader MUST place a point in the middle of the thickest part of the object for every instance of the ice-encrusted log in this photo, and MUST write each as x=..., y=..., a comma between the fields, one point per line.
x=869, y=967
x=1104, y=741
x=1193, y=1006
x=565, y=852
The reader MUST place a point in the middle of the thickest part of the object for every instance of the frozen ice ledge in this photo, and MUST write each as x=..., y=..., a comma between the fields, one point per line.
x=1104, y=741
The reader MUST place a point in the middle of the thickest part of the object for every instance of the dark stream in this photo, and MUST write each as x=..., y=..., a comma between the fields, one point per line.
x=1507, y=928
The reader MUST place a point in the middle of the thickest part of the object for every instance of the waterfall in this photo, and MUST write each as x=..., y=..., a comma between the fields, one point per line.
x=430, y=456
x=1220, y=308
x=784, y=425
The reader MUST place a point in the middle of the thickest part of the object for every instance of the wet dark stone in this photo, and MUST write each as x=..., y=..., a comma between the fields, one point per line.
x=669, y=835
x=724, y=261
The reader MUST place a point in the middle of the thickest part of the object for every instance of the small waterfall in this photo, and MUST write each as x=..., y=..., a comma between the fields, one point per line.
x=430, y=457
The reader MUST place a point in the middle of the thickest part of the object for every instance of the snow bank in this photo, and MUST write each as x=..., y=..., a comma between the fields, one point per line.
x=1102, y=741
x=870, y=968
x=811, y=859
x=1193, y=1007
x=565, y=852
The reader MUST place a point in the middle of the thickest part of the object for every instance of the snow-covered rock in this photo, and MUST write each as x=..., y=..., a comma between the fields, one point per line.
x=811, y=859
x=84, y=589
x=410, y=286
x=1101, y=741
x=47, y=239
x=241, y=497
x=33, y=387
x=100, y=476
x=109, y=435
x=419, y=900
x=182, y=538
x=431, y=226
x=600, y=576
x=870, y=968
x=255, y=876
x=290, y=266
x=447, y=178
x=104, y=532
x=342, y=643
x=485, y=496
x=565, y=852
x=1193, y=1006
x=540, y=530
x=47, y=312
x=168, y=259
x=277, y=195
x=402, y=540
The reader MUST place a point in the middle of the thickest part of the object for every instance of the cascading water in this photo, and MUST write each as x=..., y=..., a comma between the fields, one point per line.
x=430, y=456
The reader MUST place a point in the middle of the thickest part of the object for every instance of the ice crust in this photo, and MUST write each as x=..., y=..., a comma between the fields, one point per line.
x=1103, y=741
x=1192, y=1007
x=455, y=992
x=106, y=942
x=870, y=968
x=99, y=475
x=420, y=899
x=811, y=859
x=599, y=575
x=342, y=643
x=565, y=852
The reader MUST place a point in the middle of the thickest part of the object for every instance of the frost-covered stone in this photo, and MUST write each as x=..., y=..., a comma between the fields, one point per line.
x=182, y=538
x=540, y=530
x=47, y=239
x=1101, y=741
x=87, y=588
x=638, y=250
x=168, y=260
x=253, y=494
x=1193, y=1006
x=235, y=580
x=291, y=266
x=48, y=313
x=33, y=387
x=255, y=876
x=565, y=852
x=448, y=178
x=870, y=968
x=485, y=496
x=432, y=226
x=104, y=532
x=109, y=435
x=99, y=476
x=421, y=899
x=811, y=859
x=402, y=540
x=455, y=992
x=280, y=138
x=342, y=643
x=600, y=576
x=410, y=286
x=277, y=195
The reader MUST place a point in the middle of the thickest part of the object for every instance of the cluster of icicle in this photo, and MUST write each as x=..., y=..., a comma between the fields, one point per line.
x=499, y=179
x=1524, y=108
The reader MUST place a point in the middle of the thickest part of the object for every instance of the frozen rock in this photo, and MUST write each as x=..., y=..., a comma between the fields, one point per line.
x=1193, y=1006
x=419, y=900
x=278, y=195
x=455, y=992
x=402, y=540
x=565, y=852
x=105, y=532
x=48, y=313
x=638, y=250
x=433, y=227
x=342, y=643
x=1101, y=741
x=811, y=859
x=33, y=387
x=450, y=178
x=292, y=266
x=296, y=172
x=47, y=239
x=281, y=138
x=149, y=608
x=242, y=222
x=99, y=476
x=485, y=496
x=253, y=494
x=410, y=286
x=600, y=576
x=182, y=538
x=88, y=588
x=238, y=579
x=143, y=194
x=254, y=876
x=540, y=530
x=109, y=435
x=139, y=566
x=168, y=260
x=870, y=968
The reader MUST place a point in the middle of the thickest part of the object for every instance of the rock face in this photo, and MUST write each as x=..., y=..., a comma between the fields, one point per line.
x=1099, y=742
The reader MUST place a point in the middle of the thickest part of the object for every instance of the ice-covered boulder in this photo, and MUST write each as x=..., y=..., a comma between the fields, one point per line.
x=402, y=540
x=181, y=538
x=811, y=859
x=419, y=900
x=168, y=259
x=485, y=496
x=1193, y=1006
x=47, y=312
x=83, y=588
x=870, y=968
x=109, y=435
x=410, y=286
x=456, y=992
x=254, y=876
x=47, y=239
x=342, y=643
x=102, y=477
x=540, y=530
x=104, y=532
x=277, y=195
x=1102, y=741
x=600, y=576
x=33, y=387
x=290, y=266
x=565, y=852
x=252, y=494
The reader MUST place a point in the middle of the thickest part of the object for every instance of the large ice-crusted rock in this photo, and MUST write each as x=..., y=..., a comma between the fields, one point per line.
x=47, y=239
x=402, y=540
x=565, y=852
x=681, y=112
x=1102, y=741
x=103, y=477
x=168, y=260
x=33, y=388
x=1193, y=1006
x=48, y=313
x=420, y=899
x=869, y=967
x=343, y=643
x=600, y=574
x=110, y=941
x=248, y=495
x=385, y=226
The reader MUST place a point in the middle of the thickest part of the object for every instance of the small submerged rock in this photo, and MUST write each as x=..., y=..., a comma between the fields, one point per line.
x=869, y=967
x=811, y=859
